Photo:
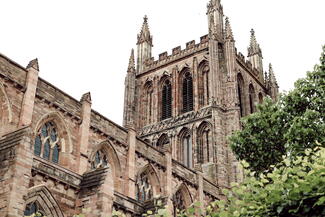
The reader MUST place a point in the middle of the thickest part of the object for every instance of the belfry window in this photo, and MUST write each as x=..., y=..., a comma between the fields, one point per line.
x=33, y=209
x=143, y=188
x=187, y=92
x=203, y=87
x=166, y=102
x=100, y=160
x=46, y=144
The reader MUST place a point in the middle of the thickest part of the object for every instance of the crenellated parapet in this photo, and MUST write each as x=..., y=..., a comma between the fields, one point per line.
x=177, y=54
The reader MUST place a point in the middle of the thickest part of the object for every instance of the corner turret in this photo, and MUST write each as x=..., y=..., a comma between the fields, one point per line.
x=215, y=20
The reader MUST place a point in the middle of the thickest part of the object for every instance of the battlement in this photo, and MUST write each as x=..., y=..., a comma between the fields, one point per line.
x=177, y=53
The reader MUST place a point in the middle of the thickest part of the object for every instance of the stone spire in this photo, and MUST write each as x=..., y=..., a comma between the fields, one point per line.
x=144, y=46
x=144, y=35
x=131, y=67
x=254, y=47
x=228, y=31
x=129, y=94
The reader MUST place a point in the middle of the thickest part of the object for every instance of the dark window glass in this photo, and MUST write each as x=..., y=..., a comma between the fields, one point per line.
x=166, y=102
x=143, y=187
x=178, y=202
x=46, y=153
x=100, y=160
x=55, y=154
x=187, y=93
x=37, y=146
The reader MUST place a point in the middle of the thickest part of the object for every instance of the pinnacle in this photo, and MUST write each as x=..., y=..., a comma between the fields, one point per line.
x=131, y=61
x=254, y=47
x=86, y=97
x=228, y=30
x=144, y=35
x=33, y=64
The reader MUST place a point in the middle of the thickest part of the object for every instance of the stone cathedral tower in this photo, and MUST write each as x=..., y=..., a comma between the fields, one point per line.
x=191, y=100
x=59, y=157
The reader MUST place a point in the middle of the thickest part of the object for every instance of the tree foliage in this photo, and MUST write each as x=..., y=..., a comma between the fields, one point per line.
x=295, y=188
x=289, y=126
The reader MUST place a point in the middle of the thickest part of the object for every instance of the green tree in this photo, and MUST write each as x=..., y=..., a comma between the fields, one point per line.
x=296, y=188
x=289, y=126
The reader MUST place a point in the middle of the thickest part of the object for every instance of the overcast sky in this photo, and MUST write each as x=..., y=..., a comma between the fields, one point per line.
x=84, y=45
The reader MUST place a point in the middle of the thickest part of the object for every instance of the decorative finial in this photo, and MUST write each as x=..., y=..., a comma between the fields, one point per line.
x=86, y=97
x=254, y=47
x=33, y=64
x=144, y=35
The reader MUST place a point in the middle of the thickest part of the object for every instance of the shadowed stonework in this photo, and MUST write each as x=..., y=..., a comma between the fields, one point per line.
x=60, y=157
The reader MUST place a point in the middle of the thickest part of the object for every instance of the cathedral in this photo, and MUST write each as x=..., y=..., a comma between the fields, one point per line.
x=59, y=157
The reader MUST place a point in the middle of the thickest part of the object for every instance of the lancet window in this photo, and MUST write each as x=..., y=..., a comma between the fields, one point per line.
x=166, y=102
x=186, y=149
x=143, y=188
x=187, y=92
x=100, y=160
x=240, y=90
x=46, y=144
x=178, y=202
x=203, y=148
x=33, y=209
x=204, y=85
x=149, y=103
x=251, y=98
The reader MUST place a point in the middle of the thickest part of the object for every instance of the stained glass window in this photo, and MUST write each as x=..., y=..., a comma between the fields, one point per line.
x=187, y=150
x=46, y=143
x=143, y=188
x=100, y=160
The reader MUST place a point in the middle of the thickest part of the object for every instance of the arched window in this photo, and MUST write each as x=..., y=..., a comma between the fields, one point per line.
x=240, y=90
x=100, y=160
x=185, y=152
x=178, y=202
x=148, y=102
x=251, y=98
x=32, y=209
x=143, y=188
x=187, y=92
x=203, y=147
x=203, y=84
x=260, y=98
x=46, y=143
x=163, y=141
x=166, y=102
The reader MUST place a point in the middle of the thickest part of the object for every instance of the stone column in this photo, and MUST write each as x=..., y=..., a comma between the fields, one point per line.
x=26, y=113
x=84, y=133
x=156, y=99
x=130, y=167
x=195, y=84
x=14, y=183
x=200, y=195
x=169, y=183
